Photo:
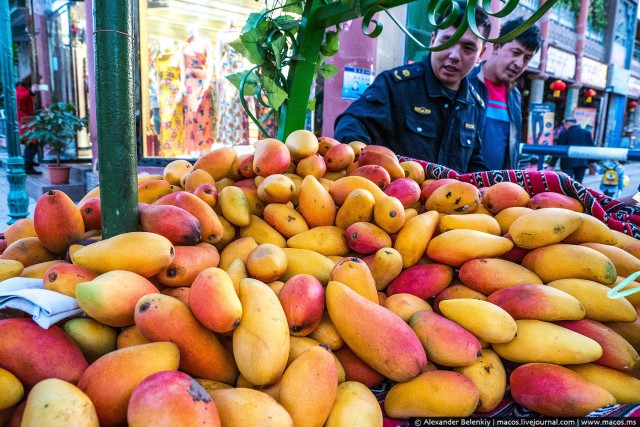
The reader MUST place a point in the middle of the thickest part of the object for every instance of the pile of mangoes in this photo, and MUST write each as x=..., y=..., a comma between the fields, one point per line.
x=276, y=288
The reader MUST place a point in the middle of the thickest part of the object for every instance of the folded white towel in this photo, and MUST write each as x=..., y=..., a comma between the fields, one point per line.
x=28, y=295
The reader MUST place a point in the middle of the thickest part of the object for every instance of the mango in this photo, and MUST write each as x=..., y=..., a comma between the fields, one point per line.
x=301, y=143
x=171, y=398
x=389, y=214
x=628, y=331
x=194, y=178
x=433, y=394
x=54, y=402
x=544, y=227
x=354, y=405
x=456, y=247
x=404, y=189
x=507, y=216
x=315, y=203
x=503, y=195
x=261, y=340
x=28, y=251
x=366, y=238
x=356, y=369
x=385, y=265
x=130, y=336
x=556, y=391
x=64, y=278
x=210, y=226
x=10, y=268
x=592, y=230
x=339, y=156
x=163, y=318
x=377, y=155
x=266, y=262
x=489, y=376
x=110, y=380
x=91, y=212
x=262, y=232
x=92, y=337
x=454, y=197
x=326, y=240
x=20, y=229
x=244, y=407
x=187, y=263
x=234, y=205
x=488, y=275
x=535, y=301
x=379, y=337
x=181, y=294
x=174, y=171
x=564, y=261
x=341, y=188
x=239, y=248
x=456, y=291
x=473, y=221
x=214, y=302
x=539, y=341
x=485, y=320
x=354, y=273
x=414, y=237
x=302, y=299
x=405, y=305
x=111, y=297
x=27, y=351
x=374, y=173
x=445, y=342
x=284, y=219
x=271, y=157
x=309, y=387
x=217, y=163
x=208, y=193
x=555, y=200
x=304, y=261
x=140, y=252
x=311, y=166
x=626, y=264
x=623, y=387
x=424, y=280
x=326, y=333
x=276, y=189
x=57, y=221
x=11, y=390
x=37, y=271
x=357, y=207
x=153, y=191
x=617, y=353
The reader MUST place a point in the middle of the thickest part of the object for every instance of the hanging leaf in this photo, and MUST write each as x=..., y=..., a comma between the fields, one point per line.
x=331, y=44
x=293, y=6
x=287, y=22
x=275, y=94
x=248, y=46
x=250, y=85
x=278, y=46
x=328, y=70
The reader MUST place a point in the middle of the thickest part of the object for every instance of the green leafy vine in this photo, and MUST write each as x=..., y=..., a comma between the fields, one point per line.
x=268, y=40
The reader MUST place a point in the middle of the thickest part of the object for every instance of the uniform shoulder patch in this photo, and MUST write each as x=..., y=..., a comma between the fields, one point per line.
x=408, y=72
x=475, y=95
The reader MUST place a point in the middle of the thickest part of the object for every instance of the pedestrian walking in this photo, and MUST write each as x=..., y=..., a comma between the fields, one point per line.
x=574, y=135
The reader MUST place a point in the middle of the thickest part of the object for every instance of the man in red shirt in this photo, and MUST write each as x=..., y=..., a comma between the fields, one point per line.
x=26, y=109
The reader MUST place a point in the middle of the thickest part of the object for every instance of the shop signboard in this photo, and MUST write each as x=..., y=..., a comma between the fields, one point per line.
x=594, y=73
x=541, y=120
x=561, y=64
x=586, y=118
x=634, y=87
x=355, y=81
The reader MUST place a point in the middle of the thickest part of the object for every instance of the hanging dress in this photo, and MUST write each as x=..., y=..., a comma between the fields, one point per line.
x=199, y=111
x=171, y=133
x=234, y=121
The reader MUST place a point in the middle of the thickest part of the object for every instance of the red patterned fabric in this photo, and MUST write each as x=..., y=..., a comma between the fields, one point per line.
x=617, y=215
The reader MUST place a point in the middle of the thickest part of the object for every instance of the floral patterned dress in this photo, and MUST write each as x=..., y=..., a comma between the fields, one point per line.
x=234, y=121
x=199, y=110
x=171, y=133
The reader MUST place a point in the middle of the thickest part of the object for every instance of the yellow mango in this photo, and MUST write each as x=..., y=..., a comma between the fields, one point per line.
x=284, y=219
x=326, y=240
x=239, y=248
x=262, y=232
x=623, y=387
x=390, y=215
x=456, y=247
x=406, y=305
x=357, y=207
x=355, y=406
x=150, y=191
x=563, y=261
x=354, y=273
x=244, y=407
x=276, y=188
x=544, y=227
x=413, y=238
x=454, y=197
x=506, y=217
x=488, y=275
x=592, y=230
x=474, y=221
x=341, y=188
x=384, y=265
x=54, y=402
x=626, y=264
x=11, y=389
x=20, y=229
x=304, y=261
x=234, y=205
x=92, y=337
x=539, y=341
x=140, y=252
x=37, y=271
x=485, y=320
x=315, y=203
x=175, y=170
x=488, y=374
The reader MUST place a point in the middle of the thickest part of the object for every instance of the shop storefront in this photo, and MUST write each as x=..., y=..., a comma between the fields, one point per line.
x=187, y=106
x=590, y=110
x=561, y=65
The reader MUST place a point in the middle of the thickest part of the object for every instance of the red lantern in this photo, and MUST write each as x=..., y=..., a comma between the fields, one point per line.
x=590, y=93
x=632, y=106
x=557, y=86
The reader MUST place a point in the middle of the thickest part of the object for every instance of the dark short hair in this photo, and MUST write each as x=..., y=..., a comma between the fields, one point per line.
x=482, y=19
x=26, y=81
x=530, y=39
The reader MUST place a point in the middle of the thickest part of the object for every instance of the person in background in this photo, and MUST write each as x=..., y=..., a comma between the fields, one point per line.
x=26, y=109
x=426, y=110
x=495, y=80
x=614, y=180
x=573, y=134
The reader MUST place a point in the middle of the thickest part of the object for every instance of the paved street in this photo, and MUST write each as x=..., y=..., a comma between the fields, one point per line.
x=592, y=181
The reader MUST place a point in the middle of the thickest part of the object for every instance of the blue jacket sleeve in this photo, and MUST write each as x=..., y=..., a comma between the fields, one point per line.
x=368, y=118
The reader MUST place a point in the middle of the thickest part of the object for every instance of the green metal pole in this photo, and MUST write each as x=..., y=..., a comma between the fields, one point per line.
x=302, y=72
x=17, y=198
x=117, y=161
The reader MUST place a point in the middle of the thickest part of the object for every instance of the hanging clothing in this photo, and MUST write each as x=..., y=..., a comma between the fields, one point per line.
x=171, y=134
x=234, y=121
x=199, y=111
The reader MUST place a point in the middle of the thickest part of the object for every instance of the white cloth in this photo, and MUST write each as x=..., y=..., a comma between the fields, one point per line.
x=28, y=295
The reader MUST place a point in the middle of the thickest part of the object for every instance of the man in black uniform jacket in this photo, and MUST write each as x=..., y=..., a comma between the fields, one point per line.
x=573, y=134
x=427, y=110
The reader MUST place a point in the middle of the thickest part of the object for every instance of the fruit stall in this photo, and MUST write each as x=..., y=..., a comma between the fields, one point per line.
x=317, y=283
